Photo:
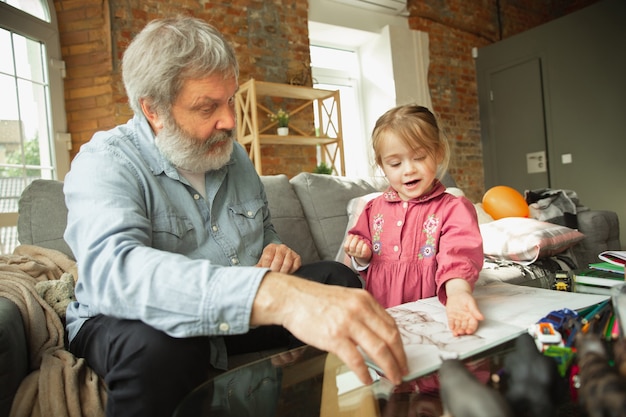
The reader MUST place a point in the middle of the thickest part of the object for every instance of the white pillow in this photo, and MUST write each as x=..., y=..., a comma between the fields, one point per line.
x=483, y=216
x=524, y=240
x=455, y=191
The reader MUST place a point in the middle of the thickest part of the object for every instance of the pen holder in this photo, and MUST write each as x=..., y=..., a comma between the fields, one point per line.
x=618, y=298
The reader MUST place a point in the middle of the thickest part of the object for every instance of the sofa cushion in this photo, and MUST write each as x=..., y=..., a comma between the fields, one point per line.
x=601, y=230
x=43, y=216
x=13, y=353
x=324, y=199
x=288, y=217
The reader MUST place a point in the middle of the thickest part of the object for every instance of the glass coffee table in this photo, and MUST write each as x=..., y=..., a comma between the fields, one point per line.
x=307, y=382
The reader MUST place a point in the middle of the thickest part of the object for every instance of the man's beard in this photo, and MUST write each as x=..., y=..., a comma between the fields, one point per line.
x=191, y=154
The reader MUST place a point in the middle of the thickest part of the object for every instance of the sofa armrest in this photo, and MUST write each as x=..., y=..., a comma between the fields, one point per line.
x=13, y=353
x=601, y=230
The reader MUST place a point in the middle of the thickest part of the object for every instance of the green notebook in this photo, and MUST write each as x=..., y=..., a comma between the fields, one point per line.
x=608, y=266
x=592, y=276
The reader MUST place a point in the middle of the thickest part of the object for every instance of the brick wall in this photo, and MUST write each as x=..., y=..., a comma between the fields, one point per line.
x=86, y=50
x=95, y=33
x=271, y=40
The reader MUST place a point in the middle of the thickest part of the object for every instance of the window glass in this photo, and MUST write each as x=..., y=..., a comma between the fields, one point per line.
x=338, y=69
x=7, y=63
x=333, y=58
x=26, y=124
x=29, y=54
x=36, y=8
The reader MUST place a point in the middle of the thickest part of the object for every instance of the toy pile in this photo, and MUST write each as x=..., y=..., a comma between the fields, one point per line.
x=577, y=356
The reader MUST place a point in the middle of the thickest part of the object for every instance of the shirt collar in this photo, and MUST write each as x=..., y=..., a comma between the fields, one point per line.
x=438, y=188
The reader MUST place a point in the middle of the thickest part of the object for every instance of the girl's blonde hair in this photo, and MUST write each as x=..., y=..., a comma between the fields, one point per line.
x=418, y=128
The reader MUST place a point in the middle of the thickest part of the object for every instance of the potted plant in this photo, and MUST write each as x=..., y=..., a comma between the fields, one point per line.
x=282, y=118
x=323, y=168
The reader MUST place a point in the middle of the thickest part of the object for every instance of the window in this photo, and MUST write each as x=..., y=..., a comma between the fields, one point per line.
x=31, y=85
x=338, y=69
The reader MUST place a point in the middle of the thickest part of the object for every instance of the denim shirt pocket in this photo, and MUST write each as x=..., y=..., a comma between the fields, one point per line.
x=248, y=218
x=172, y=233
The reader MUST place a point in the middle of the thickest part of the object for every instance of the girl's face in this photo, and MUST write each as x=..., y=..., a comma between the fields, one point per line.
x=410, y=173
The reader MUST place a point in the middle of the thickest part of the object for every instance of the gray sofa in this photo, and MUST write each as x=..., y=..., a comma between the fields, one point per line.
x=308, y=211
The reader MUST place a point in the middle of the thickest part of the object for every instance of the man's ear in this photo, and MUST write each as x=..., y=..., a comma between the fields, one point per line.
x=151, y=114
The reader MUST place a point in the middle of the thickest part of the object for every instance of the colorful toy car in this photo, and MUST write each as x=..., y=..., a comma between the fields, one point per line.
x=545, y=335
x=560, y=318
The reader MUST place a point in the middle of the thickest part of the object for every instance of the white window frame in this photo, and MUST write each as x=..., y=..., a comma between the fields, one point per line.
x=29, y=26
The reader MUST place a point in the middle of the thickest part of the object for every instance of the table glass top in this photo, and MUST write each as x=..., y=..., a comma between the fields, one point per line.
x=308, y=382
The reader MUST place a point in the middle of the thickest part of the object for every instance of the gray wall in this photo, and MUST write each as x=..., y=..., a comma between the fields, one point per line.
x=582, y=60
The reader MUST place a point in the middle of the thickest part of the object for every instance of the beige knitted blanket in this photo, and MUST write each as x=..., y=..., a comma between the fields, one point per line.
x=59, y=383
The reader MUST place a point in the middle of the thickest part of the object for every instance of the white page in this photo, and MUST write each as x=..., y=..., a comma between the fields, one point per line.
x=508, y=309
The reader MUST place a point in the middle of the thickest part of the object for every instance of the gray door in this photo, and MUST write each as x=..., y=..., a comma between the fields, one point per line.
x=517, y=156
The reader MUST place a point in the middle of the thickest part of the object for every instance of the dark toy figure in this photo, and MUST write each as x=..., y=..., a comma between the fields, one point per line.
x=464, y=396
x=602, y=389
x=530, y=380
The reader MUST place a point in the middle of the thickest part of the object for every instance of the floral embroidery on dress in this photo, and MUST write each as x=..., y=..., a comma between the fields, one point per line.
x=430, y=227
x=391, y=195
x=377, y=225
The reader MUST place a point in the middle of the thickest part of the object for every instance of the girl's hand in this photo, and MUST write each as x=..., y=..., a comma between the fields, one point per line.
x=461, y=308
x=358, y=248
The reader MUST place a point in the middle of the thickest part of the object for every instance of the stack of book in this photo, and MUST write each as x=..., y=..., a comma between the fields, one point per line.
x=599, y=277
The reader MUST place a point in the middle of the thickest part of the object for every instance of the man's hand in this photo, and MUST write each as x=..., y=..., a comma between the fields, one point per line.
x=335, y=319
x=358, y=248
x=461, y=308
x=279, y=258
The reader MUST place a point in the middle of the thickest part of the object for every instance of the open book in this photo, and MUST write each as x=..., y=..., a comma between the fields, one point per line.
x=616, y=257
x=508, y=309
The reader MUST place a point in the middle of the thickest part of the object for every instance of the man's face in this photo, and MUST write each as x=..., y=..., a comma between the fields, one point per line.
x=198, y=134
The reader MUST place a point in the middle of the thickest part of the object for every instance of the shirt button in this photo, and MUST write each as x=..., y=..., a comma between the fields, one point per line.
x=234, y=261
x=399, y=223
x=196, y=196
x=224, y=327
x=405, y=204
x=396, y=248
x=249, y=213
x=214, y=228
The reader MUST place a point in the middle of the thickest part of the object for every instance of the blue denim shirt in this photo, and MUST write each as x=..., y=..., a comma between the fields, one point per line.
x=149, y=247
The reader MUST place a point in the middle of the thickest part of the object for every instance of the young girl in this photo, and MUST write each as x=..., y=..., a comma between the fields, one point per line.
x=415, y=240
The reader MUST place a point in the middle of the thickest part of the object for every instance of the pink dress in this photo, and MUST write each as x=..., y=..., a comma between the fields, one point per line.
x=419, y=244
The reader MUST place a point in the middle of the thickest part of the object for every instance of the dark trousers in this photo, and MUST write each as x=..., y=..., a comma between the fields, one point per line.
x=148, y=373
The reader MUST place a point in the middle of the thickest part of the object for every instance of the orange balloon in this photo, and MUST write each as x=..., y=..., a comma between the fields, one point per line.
x=502, y=201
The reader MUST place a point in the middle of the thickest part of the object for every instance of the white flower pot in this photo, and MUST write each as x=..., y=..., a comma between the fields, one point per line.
x=283, y=131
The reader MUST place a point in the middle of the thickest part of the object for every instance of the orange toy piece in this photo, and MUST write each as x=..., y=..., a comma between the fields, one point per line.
x=502, y=201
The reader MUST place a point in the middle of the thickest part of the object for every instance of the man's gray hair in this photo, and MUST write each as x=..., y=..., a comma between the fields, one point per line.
x=168, y=51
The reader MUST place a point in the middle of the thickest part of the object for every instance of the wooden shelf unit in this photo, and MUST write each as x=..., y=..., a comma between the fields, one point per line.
x=254, y=128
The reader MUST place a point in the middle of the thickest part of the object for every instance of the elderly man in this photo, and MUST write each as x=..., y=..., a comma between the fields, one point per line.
x=176, y=251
